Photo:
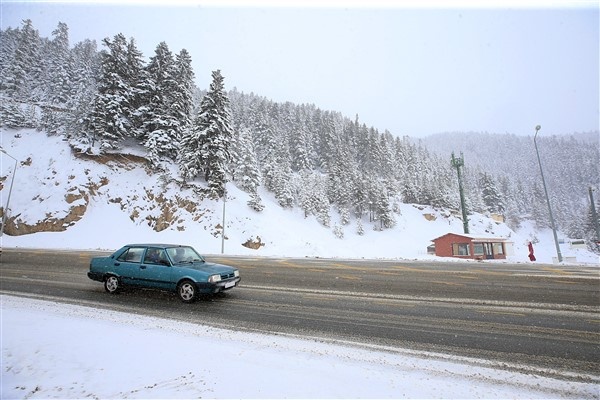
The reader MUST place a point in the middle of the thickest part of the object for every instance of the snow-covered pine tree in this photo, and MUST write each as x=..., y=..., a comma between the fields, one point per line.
x=183, y=102
x=86, y=67
x=382, y=206
x=58, y=80
x=9, y=40
x=408, y=172
x=300, y=146
x=538, y=206
x=10, y=114
x=341, y=178
x=21, y=75
x=273, y=155
x=205, y=147
x=162, y=125
x=142, y=87
x=590, y=234
x=245, y=166
x=490, y=195
x=110, y=119
x=25, y=68
x=255, y=203
x=360, y=231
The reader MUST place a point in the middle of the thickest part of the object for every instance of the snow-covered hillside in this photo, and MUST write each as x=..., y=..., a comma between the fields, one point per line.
x=104, y=202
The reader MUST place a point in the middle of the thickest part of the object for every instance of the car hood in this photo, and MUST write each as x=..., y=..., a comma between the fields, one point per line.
x=207, y=267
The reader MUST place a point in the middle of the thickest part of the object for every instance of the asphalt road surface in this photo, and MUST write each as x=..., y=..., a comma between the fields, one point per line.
x=535, y=316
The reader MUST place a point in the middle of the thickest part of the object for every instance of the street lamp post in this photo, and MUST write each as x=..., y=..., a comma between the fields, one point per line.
x=223, y=229
x=537, y=128
x=12, y=181
x=595, y=216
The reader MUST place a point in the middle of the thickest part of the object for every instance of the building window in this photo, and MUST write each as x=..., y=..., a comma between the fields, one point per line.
x=460, y=249
x=498, y=248
x=478, y=249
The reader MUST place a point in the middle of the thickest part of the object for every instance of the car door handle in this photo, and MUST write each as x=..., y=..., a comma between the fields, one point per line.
x=117, y=264
x=142, y=267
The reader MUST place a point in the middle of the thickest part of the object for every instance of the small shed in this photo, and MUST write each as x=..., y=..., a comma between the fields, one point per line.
x=470, y=247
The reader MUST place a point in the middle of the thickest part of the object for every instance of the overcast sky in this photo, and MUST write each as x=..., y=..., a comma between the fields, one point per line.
x=412, y=71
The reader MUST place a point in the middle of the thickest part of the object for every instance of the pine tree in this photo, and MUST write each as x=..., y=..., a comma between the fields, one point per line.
x=58, y=79
x=589, y=227
x=490, y=195
x=255, y=203
x=9, y=41
x=26, y=67
x=245, y=168
x=183, y=103
x=300, y=146
x=86, y=68
x=21, y=75
x=162, y=125
x=60, y=66
x=142, y=88
x=381, y=205
x=205, y=147
x=110, y=120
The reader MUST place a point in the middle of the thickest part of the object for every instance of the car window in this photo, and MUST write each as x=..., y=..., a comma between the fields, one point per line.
x=155, y=256
x=133, y=254
x=184, y=254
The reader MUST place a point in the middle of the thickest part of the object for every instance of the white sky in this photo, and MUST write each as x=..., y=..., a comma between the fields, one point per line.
x=413, y=71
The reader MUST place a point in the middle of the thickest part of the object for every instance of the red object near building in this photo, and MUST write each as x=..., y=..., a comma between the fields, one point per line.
x=531, y=255
x=470, y=247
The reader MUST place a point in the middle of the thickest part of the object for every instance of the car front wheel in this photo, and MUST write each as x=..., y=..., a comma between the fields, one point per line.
x=111, y=284
x=187, y=291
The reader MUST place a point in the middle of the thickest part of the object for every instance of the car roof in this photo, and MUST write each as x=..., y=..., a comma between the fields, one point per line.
x=158, y=245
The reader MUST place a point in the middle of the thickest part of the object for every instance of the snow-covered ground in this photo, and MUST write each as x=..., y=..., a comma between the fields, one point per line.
x=120, y=207
x=52, y=350
x=65, y=351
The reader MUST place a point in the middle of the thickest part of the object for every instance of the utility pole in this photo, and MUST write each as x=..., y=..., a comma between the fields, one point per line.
x=223, y=230
x=595, y=216
x=12, y=181
x=537, y=128
x=457, y=163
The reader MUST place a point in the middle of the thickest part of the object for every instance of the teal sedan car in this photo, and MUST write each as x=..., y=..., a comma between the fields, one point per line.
x=173, y=268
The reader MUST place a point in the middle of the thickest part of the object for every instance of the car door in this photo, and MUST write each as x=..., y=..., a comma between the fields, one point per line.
x=128, y=265
x=155, y=269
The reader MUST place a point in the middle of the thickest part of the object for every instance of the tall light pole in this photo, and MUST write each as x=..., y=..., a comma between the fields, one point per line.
x=457, y=163
x=223, y=230
x=537, y=128
x=595, y=216
x=12, y=181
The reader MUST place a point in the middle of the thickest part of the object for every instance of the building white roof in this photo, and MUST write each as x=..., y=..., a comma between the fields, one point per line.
x=477, y=238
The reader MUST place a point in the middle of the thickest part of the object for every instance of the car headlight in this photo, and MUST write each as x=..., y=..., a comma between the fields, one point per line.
x=214, y=278
x=236, y=273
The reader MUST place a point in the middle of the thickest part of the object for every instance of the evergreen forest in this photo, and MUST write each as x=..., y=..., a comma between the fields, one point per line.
x=101, y=97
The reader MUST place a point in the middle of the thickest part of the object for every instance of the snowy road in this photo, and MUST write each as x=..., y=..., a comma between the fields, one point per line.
x=460, y=310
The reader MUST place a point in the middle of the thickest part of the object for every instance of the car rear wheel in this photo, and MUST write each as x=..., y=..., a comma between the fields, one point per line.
x=111, y=284
x=187, y=291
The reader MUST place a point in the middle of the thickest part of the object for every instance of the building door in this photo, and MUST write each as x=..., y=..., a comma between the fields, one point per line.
x=488, y=250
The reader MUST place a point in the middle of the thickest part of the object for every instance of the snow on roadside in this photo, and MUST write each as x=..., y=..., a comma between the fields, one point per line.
x=48, y=171
x=66, y=351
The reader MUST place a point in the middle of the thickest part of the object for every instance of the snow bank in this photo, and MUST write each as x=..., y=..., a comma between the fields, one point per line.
x=54, y=350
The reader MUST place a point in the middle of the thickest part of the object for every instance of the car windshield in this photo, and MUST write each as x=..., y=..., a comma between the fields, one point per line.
x=184, y=255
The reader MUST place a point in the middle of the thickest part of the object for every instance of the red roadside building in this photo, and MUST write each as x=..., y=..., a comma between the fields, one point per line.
x=468, y=246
